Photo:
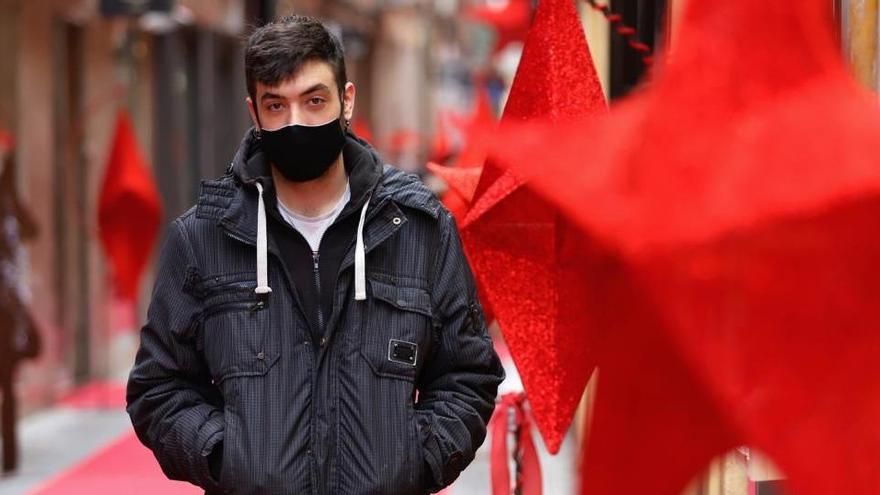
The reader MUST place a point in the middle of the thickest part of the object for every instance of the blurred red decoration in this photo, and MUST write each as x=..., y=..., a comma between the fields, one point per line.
x=525, y=257
x=512, y=418
x=403, y=140
x=628, y=33
x=129, y=209
x=461, y=183
x=733, y=212
x=508, y=18
x=362, y=130
x=477, y=130
x=441, y=141
x=7, y=141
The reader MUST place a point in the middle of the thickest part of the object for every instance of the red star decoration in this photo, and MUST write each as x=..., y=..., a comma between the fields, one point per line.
x=129, y=209
x=733, y=211
x=525, y=257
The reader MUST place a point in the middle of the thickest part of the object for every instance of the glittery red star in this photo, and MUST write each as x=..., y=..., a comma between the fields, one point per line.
x=733, y=211
x=462, y=181
x=525, y=257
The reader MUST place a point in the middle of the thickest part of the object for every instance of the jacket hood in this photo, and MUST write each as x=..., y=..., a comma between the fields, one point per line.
x=362, y=164
x=228, y=202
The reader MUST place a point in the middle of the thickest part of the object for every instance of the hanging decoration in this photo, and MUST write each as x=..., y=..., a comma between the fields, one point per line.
x=732, y=207
x=525, y=256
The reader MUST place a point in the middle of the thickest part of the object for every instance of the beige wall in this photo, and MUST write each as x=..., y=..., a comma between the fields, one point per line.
x=400, y=91
x=41, y=129
x=860, y=39
x=597, y=30
x=36, y=156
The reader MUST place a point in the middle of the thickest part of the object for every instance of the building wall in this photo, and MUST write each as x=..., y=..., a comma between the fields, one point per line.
x=859, y=32
x=69, y=72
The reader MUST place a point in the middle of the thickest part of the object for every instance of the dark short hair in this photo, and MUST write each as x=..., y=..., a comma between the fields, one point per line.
x=276, y=51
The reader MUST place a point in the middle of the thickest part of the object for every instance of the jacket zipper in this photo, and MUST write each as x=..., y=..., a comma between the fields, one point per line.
x=221, y=309
x=286, y=277
x=233, y=306
x=316, y=258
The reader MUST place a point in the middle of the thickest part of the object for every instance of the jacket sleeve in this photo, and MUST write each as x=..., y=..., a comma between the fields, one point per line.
x=175, y=410
x=458, y=386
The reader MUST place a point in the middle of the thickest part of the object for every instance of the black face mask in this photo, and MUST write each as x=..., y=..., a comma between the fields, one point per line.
x=303, y=153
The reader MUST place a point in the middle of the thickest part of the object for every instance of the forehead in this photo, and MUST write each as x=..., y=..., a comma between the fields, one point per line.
x=310, y=74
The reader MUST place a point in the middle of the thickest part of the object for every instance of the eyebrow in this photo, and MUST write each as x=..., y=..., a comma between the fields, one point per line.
x=271, y=96
x=312, y=89
x=316, y=87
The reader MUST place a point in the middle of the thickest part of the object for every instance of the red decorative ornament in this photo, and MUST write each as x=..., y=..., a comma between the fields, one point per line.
x=629, y=33
x=7, y=141
x=129, y=210
x=734, y=211
x=441, y=145
x=362, y=130
x=508, y=18
x=525, y=256
x=403, y=140
x=461, y=183
x=477, y=130
x=511, y=412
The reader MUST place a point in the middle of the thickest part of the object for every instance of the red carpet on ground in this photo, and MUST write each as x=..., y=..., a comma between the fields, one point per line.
x=124, y=467
x=96, y=395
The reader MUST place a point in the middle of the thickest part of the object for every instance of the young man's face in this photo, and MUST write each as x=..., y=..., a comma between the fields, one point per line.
x=310, y=97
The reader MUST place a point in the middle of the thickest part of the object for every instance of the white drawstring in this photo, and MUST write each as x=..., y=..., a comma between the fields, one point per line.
x=360, y=271
x=262, y=257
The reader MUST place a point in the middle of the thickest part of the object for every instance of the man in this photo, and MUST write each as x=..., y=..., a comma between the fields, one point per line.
x=314, y=326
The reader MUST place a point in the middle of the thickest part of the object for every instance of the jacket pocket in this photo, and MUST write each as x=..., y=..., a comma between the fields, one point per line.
x=417, y=458
x=396, y=338
x=227, y=474
x=235, y=335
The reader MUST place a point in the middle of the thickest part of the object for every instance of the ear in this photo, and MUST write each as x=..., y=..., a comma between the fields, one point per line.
x=253, y=112
x=348, y=101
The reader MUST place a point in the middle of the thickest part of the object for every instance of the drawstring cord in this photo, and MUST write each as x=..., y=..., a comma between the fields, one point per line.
x=360, y=271
x=262, y=256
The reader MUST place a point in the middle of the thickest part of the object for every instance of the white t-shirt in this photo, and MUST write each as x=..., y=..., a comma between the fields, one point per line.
x=313, y=228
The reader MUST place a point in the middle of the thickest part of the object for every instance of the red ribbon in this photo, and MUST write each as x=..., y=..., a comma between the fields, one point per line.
x=511, y=417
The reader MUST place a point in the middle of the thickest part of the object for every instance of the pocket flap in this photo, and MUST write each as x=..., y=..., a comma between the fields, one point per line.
x=403, y=298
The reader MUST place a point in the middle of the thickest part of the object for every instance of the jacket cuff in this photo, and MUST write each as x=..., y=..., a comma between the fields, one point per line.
x=440, y=467
x=210, y=434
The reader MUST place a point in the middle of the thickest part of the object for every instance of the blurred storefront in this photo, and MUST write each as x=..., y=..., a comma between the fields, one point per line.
x=68, y=68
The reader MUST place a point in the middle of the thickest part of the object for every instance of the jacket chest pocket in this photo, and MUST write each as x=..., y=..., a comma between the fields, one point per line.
x=235, y=335
x=396, y=338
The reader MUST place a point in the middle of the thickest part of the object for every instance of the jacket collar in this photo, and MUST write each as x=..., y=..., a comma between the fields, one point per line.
x=231, y=200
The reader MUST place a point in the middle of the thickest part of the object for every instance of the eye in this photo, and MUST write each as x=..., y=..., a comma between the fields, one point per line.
x=274, y=107
x=316, y=100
